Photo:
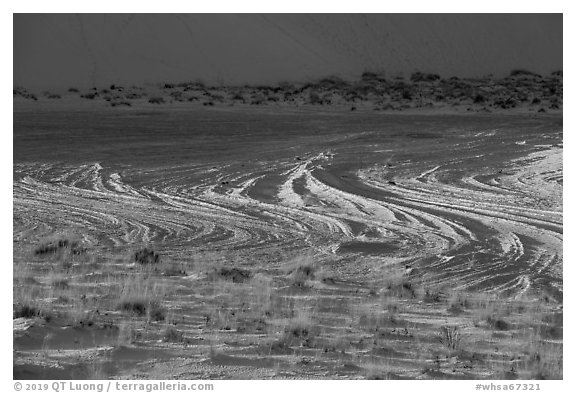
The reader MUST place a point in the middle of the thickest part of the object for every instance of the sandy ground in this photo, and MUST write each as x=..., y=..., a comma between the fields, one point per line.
x=368, y=245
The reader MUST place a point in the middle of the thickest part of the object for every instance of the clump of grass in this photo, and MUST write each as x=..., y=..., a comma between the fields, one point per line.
x=52, y=246
x=89, y=96
x=424, y=77
x=136, y=306
x=498, y=324
x=401, y=289
x=300, y=330
x=126, y=333
x=450, y=336
x=22, y=92
x=52, y=96
x=156, y=100
x=302, y=272
x=377, y=371
x=140, y=297
x=155, y=312
x=146, y=256
x=234, y=274
x=458, y=303
x=174, y=269
x=60, y=283
x=522, y=72
x=120, y=103
x=141, y=307
x=25, y=311
x=314, y=98
x=172, y=335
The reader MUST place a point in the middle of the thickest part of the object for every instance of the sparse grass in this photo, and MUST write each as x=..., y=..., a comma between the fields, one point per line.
x=233, y=274
x=358, y=328
x=146, y=257
x=26, y=311
x=301, y=271
x=450, y=337
x=173, y=335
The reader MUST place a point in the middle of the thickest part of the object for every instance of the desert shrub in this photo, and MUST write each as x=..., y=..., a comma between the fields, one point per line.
x=400, y=288
x=557, y=73
x=433, y=296
x=89, y=96
x=156, y=100
x=174, y=269
x=141, y=306
x=450, y=336
x=498, y=324
x=135, y=306
x=302, y=274
x=300, y=331
x=155, y=312
x=22, y=92
x=479, y=98
x=234, y=274
x=368, y=76
x=522, y=72
x=286, y=86
x=60, y=283
x=173, y=335
x=458, y=302
x=140, y=296
x=145, y=256
x=406, y=94
x=332, y=82
x=257, y=99
x=120, y=103
x=25, y=311
x=424, y=77
x=134, y=96
x=314, y=98
x=52, y=96
x=506, y=104
x=51, y=247
x=177, y=95
x=364, y=89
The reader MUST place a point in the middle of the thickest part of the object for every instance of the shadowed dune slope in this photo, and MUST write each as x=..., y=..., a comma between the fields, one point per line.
x=63, y=50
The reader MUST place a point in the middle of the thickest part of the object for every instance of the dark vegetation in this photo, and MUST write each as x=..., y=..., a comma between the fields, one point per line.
x=233, y=274
x=520, y=89
x=146, y=257
x=52, y=247
x=22, y=92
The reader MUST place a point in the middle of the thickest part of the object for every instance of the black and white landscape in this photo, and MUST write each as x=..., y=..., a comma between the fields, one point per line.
x=394, y=224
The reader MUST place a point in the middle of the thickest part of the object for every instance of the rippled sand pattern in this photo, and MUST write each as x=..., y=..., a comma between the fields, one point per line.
x=471, y=200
